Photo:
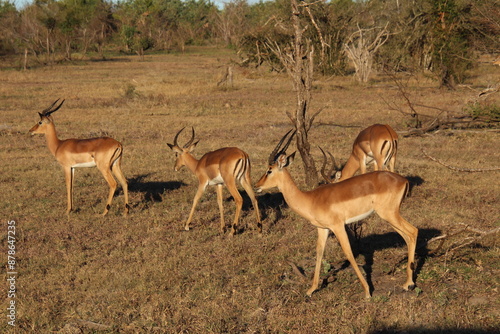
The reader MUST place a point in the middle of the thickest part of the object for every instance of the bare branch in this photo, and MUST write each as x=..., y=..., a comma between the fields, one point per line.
x=459, y=244
x=460, y=169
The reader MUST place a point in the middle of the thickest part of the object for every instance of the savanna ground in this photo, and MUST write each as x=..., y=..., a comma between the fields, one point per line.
x=143, y=273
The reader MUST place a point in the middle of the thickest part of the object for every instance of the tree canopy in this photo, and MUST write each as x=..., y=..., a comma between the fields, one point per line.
x=442, y=37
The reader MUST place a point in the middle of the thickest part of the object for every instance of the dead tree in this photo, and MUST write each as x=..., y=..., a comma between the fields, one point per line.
x=298, y=60
x=227, y=77
x=361, y=47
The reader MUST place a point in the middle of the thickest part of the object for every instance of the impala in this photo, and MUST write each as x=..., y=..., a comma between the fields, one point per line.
x=377, y=144
x=223, y=166
x=330, y=207
x=104, y=153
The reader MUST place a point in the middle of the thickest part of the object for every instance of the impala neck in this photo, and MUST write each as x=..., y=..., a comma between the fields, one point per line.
x=191, y=162
x=52, y=141
x=351, y=166
x=296, y=199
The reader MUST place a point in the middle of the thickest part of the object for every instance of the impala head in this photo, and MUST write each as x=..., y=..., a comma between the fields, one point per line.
x=181, y=152
x=277, y=161
x=45, y=119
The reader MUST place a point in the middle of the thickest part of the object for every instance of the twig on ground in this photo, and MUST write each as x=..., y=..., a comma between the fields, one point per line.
x=459, y=169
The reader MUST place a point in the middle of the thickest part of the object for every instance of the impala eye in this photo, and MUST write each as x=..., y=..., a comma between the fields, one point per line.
x=40, y=123
x=269, y=171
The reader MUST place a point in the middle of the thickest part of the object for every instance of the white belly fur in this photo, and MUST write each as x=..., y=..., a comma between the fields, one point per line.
x=358, y=218
x=215, y=181
x=84, y=164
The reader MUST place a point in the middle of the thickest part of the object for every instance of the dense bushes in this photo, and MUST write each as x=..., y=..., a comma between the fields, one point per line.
x=438, y=36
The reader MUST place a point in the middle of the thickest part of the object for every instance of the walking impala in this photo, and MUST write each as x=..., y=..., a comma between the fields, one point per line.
x=332, y=206
x=377, y=144
x=223, y=166
x=104, y=153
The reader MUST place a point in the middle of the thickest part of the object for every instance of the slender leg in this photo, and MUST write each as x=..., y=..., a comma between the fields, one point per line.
x=199, y=192
x=69, y=173
x=116, y=169
x=362, y=165
x=246, y=184
x=320, y=249
x=343, y=239
x=392, y=162
x=221, y=208
x=106, y=172
x=378, y=164
x=409, y=234
x=238, y=200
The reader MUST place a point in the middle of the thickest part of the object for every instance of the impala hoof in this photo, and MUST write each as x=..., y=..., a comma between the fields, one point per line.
x=310, y=292
x=410, y=287
x=127, y=208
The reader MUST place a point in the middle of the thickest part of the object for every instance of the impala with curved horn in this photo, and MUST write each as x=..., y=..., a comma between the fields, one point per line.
x=330, y=207
x=377, y=144
x=223, y=166
x=104, y=153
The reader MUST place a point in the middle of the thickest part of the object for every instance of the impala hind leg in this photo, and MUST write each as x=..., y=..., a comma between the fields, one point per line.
x=409, y=234
x=117, y=171
x=238, y=200
x=392, y=162
x=246, y=184
x=108, y=176
x=221, y=208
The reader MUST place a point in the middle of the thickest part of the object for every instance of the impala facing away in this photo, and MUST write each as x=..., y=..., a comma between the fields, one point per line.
x=332, y=206
x=104, y=152
x=223, y=166
x=377, y=144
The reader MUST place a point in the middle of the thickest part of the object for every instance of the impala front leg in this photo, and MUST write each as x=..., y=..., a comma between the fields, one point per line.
x=341, y=234
x=320, y=249
x=68, y=174
x=197, y=197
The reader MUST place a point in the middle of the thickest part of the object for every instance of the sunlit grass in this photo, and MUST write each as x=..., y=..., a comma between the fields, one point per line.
x=144, y=273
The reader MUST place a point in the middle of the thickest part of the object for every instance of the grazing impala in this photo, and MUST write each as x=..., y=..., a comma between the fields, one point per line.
x=104, y=153
x=330, y=207
x=377, y=144
x=223, y=166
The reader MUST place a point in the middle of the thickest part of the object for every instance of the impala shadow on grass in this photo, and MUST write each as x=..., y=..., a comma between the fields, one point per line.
x=414, y=181
x=266, y=202
x=274, y=202
x=152, y=190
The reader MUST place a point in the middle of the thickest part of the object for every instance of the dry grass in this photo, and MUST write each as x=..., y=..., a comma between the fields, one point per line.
x=144, y=274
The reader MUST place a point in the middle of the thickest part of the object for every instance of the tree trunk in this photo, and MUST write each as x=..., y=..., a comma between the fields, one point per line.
x=302, y=74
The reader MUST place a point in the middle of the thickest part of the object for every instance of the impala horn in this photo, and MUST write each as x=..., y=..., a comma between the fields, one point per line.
x=278, y=150
x=51, y=109
x=327, y=175
x=190, y=140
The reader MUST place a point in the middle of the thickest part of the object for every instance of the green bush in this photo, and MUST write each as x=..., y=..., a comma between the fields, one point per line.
x=489, y=113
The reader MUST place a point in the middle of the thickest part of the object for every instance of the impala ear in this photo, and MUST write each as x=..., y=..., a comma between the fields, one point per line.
x=174, y=148
x=191, y=147
x=284, y=161
x=289, y=159
x=281, y=161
